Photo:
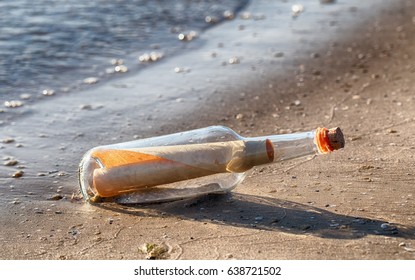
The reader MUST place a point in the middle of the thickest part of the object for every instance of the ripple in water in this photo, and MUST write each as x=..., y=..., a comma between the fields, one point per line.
x=57, y=44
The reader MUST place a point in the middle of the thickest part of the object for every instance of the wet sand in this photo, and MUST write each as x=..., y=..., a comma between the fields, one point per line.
x=353, y=204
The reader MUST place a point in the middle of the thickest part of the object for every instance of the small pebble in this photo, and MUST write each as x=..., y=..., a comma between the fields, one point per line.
x=91, y=80
x=239, y=116
x=297, y=9
x=234, y=60
x=211, y=19
x=11, y=162
x=390, y=130
x=48, y=92
x=388, y=227
x=156, y=56
x=187, y=36
x=13, y=104
x=55, y=197
x=121, y=69
x=18, y=174
x=7, y=140
x=150, y=57
x=228, y=15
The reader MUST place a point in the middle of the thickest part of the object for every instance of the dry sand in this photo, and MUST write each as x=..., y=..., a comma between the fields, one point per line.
x=357, y=203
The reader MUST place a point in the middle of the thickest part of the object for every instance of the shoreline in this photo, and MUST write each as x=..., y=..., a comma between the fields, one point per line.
x=354, y=204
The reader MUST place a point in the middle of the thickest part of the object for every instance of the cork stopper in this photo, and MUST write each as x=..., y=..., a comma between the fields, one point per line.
x=328, y=140
x=336, y=138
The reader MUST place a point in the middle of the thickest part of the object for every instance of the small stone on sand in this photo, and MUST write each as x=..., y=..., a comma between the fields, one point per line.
x=121, y=69
x=297, y=9
x=7, y=140
x=228, y=15
x=211, y=19
x=150, y=57
x=55, y=197
x=187, y=36
x=234, y=60
x=13, y=104
x=91, y=80
x=388, y=227
x=11, y=162
x=18, y=174
x=48, y=92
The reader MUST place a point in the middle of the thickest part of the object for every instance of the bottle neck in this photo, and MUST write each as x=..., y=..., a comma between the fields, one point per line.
x=290, y=146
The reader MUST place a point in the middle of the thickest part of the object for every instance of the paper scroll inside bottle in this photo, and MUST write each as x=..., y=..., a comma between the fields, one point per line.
x=127, y=170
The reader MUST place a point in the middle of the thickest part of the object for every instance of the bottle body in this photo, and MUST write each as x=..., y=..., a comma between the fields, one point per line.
x=176, y=183
x=209, y=160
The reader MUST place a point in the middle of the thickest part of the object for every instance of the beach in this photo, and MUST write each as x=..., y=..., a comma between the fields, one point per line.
x=353, y=68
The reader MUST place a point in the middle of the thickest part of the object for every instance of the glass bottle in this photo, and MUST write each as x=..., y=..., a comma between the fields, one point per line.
x=214, y=159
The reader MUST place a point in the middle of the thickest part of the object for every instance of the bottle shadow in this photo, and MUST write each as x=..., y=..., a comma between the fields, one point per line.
x=266, y=213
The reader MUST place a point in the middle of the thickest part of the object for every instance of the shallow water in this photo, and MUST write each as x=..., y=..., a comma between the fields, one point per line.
x=57, y=44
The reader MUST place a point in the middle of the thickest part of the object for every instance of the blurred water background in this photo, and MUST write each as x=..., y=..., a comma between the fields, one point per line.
x=56, y=46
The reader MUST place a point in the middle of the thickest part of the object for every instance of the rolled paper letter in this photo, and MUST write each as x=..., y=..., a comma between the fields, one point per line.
x=133, y=169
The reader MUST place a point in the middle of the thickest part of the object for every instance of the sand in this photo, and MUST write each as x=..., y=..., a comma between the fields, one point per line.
x=357, y=203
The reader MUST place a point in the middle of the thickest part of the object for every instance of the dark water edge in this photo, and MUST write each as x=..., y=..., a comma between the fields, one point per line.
x=55, y=45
